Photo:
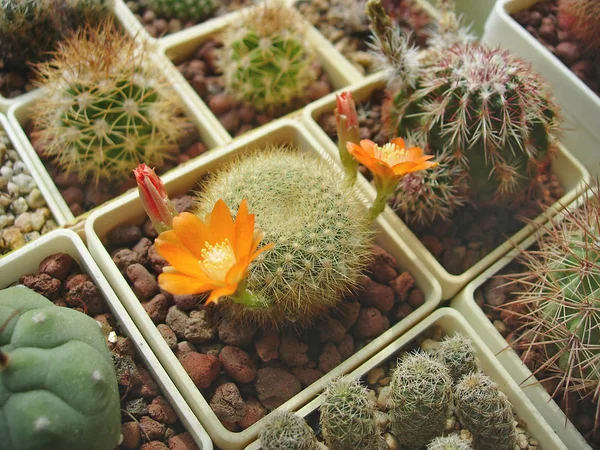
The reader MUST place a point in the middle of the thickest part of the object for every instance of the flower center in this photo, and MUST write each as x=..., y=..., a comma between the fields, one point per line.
x=391, y=153
x=217, y=259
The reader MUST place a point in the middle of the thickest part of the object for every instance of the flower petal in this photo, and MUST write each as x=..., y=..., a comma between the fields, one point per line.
x=216, y=294
x=368, y=145
x=399, y=142
x=181, y=284
x=220, y=223
x=192, y=232
x=180, y=258
x=243, y=231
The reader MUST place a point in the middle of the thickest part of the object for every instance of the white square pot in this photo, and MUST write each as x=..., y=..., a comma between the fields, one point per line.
x=128, y=209
x=452, y=322
x=27, y=260
x=572, y=175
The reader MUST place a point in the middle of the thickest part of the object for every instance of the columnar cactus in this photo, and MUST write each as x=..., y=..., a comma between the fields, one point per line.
x=451, y=442
x=108, y=107
x=348, y=416
x=458, y=355
x=186, y=10
x=582, y=19
x=318, y=225
x=486, y=412
x=287, y=431
x=421, y=392
x=58, y=389
x=266, y=58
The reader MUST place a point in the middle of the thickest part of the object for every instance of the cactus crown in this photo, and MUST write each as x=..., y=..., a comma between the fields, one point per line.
x=108, y=107
x=458, y=355
x=318, y=225
x=287, y=431
x=187, y=10
x=451, y=442
x=266, y=59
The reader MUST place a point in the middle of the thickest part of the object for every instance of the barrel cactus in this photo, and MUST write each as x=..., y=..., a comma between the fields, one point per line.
x=458, y=355
x=186, y=10
x=318, y=226
x=451, y=442
x=287, y=431
x=58, y=389
x=266, y=58
x=108, y=107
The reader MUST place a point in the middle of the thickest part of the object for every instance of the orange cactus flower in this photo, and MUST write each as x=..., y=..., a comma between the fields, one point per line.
x=211, y=255
x=393, y=160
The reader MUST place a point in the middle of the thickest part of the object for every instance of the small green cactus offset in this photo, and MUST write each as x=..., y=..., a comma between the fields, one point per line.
x=58, y=389
x=458, y=355
x=486, y=412
x=420, y=396
x=186, y=10
x=108, y=107
x=348, y=416
x=318, y=225
x=451, y=442
x=266, y=58
x=287, y=431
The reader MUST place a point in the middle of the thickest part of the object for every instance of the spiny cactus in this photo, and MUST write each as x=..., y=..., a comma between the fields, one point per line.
x=484, y=107
x=318, y=225
x=421, y=392
x=194, y=10
x=451, y=442
x=458, y=355
x=486, y=412
x=46, y=351
x=81, y=13
x=582, y=19
x=287, y=431
x=449, y=29
x=348, y=418
x=266, y=58
x=108, y=106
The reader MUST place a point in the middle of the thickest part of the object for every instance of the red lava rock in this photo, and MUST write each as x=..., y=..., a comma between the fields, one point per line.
x=156, y=261
x=402, y=285
x=202, y=369
x=274, y=386
x=86, y=294
x=369, y=324
x=187, y=302
x=75, y=280
x=236, y=333
x=124, y=258
x=168, y=335
x=433, y=244
x=382, y=266
x=124, y=346
x=151, y=428
x=403, y=311
x=254, y=412
x=177, y=320
x=144, y=284
x=331, y=330
x=132, y=435
x=161, y=411
x=148, y=387
x=348, y=313
x=329, y=357
x=307, y=376
x=184, y=203
x=183, y=348
x=200, y=327
x=238, y=364
x=154, y=445
x=183, y=441
x=141, y=248
x=227, y=403
x=317, y=90
x=416, y=298
x=157, y=308
x=230, y=120
x=73, y=195
x=124, y=235
x=57, y=265
x=346, y=346
x=267, y=345
x=568, y=52
x=95, y=195
x=292, y=351
x=378, y=295
x=43, y=284
x=221, y=103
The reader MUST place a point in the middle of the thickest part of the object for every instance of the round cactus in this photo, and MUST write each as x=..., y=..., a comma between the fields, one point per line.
x=266, y=59
x=420, y=396
x=108, y=107
x=458, y=355
x=451, y=442
x=287, y=431
x=58, y=389
x=582, y=19
x=80, y=13
x=486, y=412
x=348, y=419
x=318, y=225
x=186, y=10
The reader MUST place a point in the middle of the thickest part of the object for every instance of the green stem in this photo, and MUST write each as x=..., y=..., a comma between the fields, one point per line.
x=244, y=296
x=378, y=205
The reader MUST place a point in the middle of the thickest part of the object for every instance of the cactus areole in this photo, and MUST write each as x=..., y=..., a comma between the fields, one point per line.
x=58, y=389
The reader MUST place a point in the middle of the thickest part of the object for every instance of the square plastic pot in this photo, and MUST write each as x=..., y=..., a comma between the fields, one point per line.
x=465, y=303
x=581, y=106
x=128, y=209
x=27, y=260
x=451, y=322
x=572, y=175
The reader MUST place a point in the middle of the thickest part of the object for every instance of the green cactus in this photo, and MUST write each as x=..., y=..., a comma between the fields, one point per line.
x=318, y=225
x=348, y=419
x=486, y=412
x=58, y=389
x=451, y=442
x=186, y=10
x=266, y=59
x=287, y=431
x=80, y=13
x=458, y=355
x=420, y=396
x=108, y=107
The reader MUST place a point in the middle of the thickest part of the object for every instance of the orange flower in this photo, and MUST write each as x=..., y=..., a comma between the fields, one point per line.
x=392, y=160
x=213, y=255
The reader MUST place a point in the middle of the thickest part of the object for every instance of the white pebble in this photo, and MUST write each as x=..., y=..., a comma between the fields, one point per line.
x=19, y=205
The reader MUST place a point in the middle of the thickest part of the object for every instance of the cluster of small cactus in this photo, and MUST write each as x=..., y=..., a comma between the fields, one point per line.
x=266, y=59
x=52, y=397
x=187, y=10
x=108, y=106
x=582, y=19
x=287, y=431
x=318, y=225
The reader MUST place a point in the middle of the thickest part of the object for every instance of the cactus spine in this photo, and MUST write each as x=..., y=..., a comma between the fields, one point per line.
x=186, y=10
x=348, y=418
x=266, y=59
x=42, y=347
x=421, y=392
x=318, y=225
x=287, y=431
x=108, y=106
x=458, y=355
x=451, y=442
x=486, y=412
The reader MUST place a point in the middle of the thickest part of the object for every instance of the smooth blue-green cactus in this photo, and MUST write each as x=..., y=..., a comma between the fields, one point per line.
x=58, y=389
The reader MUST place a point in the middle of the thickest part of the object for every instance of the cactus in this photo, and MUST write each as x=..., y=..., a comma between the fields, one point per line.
x=266, y=60
x=318, y=225
x=421, y=392
x=287, y=431
x=451, y=442
x=348, y=419
x=458, y=355
x=108, y=107
x=186, y=10
x=486, y=412
x=484, y=107
x=582, y=19
x=80, y=13
x=58, y=389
